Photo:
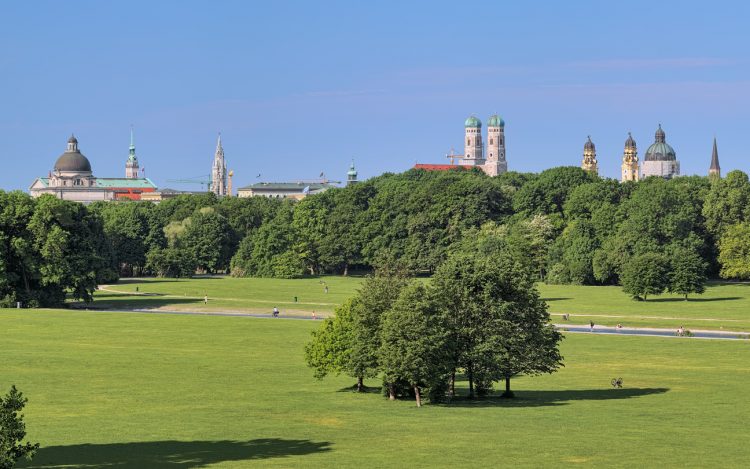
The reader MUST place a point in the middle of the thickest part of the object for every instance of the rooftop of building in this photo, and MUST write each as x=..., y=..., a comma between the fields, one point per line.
x=113, y=183
x=439, y=167
x=300, y=185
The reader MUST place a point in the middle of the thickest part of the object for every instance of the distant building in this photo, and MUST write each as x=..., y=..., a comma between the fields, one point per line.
x=493, y=162
x=219, y=171
x=165, y=194
x=72, y=179
x=714, y=171
x=284, y=190
x=660, y=159
x=630, y=170
x=351, y=175
x=589, y=162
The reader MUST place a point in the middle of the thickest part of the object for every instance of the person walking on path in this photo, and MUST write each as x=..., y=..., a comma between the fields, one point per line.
x=205, y=300
x=591, y=326
x=275, y=312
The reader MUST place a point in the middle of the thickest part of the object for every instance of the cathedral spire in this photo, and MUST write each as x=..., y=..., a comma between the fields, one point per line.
x=715, y=169
x=219, y=171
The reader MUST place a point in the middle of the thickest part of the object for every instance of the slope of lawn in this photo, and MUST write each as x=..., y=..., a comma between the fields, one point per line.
x=724, y=305
x=134, y=390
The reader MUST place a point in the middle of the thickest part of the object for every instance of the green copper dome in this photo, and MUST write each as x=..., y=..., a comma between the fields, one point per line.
x=660, y=150
x=473, y=122
x=496, y=121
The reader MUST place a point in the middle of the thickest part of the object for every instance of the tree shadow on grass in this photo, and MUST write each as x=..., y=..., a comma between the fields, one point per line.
x=365, y=389
x=555, y=299
x=170, y=454
x=141, y=280
x=692, y=299
x=553, y=398
x=126, y=302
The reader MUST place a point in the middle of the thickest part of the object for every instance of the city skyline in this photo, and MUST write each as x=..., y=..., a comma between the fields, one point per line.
x=298, y=91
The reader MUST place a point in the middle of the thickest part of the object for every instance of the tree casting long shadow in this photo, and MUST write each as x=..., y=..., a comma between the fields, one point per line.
x=553, y=398
x=170, y=454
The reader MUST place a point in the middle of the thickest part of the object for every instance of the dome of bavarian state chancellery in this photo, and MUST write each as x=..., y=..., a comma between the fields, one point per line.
x=660, y=150
x=72, y=160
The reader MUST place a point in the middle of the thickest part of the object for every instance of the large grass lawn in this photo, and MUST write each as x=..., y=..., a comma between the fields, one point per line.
x=132, y=390
x=723, y=306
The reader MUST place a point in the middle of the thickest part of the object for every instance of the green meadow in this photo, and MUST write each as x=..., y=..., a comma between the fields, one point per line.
x=138, y=390
x=724, y=306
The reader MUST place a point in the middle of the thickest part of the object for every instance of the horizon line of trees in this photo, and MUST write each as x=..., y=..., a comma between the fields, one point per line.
x=574, y=226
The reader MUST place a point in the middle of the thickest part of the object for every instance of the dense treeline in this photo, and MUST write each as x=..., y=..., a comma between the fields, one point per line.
x=574, y=226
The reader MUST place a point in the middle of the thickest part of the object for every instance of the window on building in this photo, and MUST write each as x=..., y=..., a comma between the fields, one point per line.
x=468, y=141
x=492, y=141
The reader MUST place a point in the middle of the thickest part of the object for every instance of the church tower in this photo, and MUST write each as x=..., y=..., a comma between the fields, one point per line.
x=630, y=161
x=131, y=166
x=715, y=170
x=496, y=163
x=351, y=175
x=473, y=148
x=219, y=171
x=589, y=162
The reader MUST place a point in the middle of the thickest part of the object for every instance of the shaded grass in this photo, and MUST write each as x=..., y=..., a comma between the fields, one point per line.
x=139, y=390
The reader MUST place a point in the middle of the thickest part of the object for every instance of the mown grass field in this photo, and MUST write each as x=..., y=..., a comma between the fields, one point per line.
x=724, y=306
x=134, y=390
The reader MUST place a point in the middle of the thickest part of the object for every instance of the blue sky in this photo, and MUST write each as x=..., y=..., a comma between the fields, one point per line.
x=297, y=88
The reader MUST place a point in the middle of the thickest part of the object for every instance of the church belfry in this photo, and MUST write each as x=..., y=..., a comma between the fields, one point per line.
x=630, y=170
x=589, y=162
x=351, y=175
x=131, y=166
x=473, y=147
x=219, y=171
x=496, y=163
x=715, y=170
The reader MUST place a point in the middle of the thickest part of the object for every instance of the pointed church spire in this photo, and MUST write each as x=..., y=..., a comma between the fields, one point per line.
x=715, y=169
x=131, y=166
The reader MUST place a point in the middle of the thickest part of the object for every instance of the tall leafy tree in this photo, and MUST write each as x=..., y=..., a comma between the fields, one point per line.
x=414, y=346
x=645, y=274
x=687, y=272
x=734, y=252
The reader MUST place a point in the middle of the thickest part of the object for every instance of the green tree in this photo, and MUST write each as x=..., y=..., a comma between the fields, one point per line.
x=413, y=343
x=13, y=430
x=734, y=252
x=207, y=240
x=171, y=262
x=727, y=202
x=687, y=272
x=329, y=350
x=645, y=274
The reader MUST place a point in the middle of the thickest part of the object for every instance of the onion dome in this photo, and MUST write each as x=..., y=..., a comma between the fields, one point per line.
x=589, y=145
x=495, y=121
x=630, y=143
x=73, y=160
x=352, y=171
x=473, y=122
x=660, y=150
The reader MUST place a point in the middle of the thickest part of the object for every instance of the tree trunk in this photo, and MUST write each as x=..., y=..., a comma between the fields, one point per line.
x=452, y=385
x=391, y=392
x=508, y=392
x=346, y=270
x=470, y=373
x=417, y=396
x=360, y=384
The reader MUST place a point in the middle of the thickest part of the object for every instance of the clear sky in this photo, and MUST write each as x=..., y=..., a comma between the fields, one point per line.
x=297, y=88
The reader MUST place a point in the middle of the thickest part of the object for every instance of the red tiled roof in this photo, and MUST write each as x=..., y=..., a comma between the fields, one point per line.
x=438, y=167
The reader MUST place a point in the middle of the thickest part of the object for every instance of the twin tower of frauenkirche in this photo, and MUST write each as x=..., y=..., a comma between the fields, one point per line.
x=493, y=162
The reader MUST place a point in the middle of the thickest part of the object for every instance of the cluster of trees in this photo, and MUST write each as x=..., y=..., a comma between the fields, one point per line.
x=49, y=248
x=480, y=314
x=574, y=226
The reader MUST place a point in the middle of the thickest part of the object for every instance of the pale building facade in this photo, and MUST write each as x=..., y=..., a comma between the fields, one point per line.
x=589, y=162
x=72, y=179
x=219, y=171
x=630, y=170
x=660, y=158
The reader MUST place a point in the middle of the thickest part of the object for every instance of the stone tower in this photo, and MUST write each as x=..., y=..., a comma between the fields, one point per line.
x=351, y=175
x=473, y=148
x=715, y=170
x=589, y=162
x=131, y=166
x=219, y=171
x=630, y=161
x=496, y=163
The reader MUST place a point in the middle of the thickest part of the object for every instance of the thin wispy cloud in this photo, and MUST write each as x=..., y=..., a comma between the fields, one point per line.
x=665, y=63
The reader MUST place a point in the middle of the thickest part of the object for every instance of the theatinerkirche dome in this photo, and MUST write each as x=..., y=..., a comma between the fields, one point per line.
x=660, y=150
x=72, y=161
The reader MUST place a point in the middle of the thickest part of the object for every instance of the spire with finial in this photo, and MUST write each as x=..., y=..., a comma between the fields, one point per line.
x=715, y=169
x=131, y=166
